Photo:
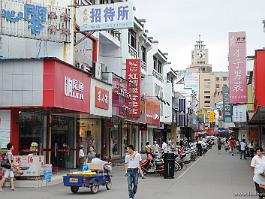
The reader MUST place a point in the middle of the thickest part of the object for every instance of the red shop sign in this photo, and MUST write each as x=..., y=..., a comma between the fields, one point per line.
x=65, y=87
x=133, y=75
x=101, y=98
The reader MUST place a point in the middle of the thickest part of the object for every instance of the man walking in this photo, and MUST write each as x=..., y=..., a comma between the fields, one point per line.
x=243, y=146
x=259, y=179
x=132, y=168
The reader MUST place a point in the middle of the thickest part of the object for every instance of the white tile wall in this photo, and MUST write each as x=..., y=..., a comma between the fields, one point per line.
x=21, y=83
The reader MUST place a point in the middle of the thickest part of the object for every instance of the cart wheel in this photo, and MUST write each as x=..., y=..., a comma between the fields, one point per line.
x=74, y=189
x=108, y=185
x=94, y=188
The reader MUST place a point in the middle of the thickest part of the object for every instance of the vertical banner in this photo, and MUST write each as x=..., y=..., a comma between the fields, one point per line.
x=152, y=116
x=226, y=105
x=133, y=75
x=182, y=112
x=237, y=67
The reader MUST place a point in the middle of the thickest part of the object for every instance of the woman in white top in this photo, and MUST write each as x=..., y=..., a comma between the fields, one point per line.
x=8, y=171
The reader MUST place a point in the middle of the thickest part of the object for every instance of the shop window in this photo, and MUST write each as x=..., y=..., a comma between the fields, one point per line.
x=31, y=129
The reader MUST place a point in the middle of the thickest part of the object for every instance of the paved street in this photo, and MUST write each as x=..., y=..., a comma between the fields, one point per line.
x=212, y=176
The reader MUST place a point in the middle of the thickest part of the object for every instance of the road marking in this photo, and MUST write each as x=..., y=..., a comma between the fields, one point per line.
x=189, y=168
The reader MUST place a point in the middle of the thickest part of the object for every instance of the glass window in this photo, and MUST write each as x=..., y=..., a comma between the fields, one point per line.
x=155, y=63
x=159, y=66
x=132, y=38
x=143, y=53
x=207, y=97
x=225, y=78
x=206, y=91
x=217, y=85
x=207, y=102
x=217, y=78
x=31, y=129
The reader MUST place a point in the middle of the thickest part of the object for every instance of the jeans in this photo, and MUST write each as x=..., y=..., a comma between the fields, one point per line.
x=132, y=181
x=242, y=153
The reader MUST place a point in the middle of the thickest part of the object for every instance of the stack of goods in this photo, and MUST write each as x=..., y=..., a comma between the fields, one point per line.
x=83, y=173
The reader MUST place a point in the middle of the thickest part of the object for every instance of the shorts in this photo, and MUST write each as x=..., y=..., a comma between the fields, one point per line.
x=8, y=173
x=259, y=190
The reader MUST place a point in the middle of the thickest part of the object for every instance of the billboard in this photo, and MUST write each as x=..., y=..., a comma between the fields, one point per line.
x=152, y=108
x=237, y=67
x=35, y=21
x=182, y=112
x=240, y=113
x=105, y=16
x=133, y=75
x=191, y=80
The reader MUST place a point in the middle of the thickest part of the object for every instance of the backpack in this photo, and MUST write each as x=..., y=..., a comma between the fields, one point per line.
x=5, y=162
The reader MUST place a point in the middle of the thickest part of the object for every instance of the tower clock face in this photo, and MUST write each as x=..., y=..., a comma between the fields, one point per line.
x=201, y=54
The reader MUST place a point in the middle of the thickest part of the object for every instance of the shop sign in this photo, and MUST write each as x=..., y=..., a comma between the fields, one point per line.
x=107, y=16
x=240, y=113
x=121, y=97
x=237, y=67
x=74, y=88
x=152, y=116
x=133, y=75
x=101, y=98
x=226, y=105
x=35, y=21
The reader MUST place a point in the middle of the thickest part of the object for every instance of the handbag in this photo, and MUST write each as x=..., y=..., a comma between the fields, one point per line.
x=5, y=162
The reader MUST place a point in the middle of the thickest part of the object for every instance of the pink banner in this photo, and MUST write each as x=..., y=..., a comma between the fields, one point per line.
x=237, y=67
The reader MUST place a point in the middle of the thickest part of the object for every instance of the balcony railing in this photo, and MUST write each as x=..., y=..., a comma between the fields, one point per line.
x=157, y=75
x=143, y=65
x=133, y=52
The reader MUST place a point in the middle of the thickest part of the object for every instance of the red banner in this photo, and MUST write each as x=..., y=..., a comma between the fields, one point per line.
x=152, y=116
x=133, y=75
x=101, y=98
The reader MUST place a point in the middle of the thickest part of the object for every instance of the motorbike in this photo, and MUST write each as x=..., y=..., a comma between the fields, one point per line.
x=153, y=165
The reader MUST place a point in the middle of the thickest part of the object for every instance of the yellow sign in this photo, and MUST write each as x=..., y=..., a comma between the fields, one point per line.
x=73, y=180
x=212, y=116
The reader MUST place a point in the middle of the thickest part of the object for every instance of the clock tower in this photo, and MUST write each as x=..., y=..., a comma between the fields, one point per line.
x=199, y=57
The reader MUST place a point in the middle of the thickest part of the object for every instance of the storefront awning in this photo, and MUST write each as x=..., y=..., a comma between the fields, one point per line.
x=258, y=117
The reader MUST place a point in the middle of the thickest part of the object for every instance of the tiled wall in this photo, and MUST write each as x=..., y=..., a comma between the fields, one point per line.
x=21, y=83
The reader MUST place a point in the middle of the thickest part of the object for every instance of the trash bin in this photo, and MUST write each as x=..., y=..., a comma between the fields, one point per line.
x=169, y=161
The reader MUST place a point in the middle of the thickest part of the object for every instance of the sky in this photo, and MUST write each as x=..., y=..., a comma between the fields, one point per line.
x=176, y=24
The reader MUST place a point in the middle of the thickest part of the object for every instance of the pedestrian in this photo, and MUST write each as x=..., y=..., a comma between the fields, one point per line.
x=226, y=145
x=81, y=157
x=132, y=169
x=243, y=147
x=219, y=144
x=232, y=145
x=258, y=158
x=91, y=154
x=8, y=167
x=148, y=148
x=251, y=149
x=259, y=180
x=164, y=147
x=155, y=149
x=238, y=146
x=199, y=147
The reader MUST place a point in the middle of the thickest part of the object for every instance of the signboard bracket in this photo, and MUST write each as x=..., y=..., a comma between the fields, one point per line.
x=86, y=35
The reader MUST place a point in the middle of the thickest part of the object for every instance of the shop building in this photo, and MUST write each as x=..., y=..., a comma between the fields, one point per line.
x=44, y=99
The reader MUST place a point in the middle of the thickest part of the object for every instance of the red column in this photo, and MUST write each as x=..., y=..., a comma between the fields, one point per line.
x=14, y=132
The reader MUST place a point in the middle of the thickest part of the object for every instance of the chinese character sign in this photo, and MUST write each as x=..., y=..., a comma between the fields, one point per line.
x=101, y=98
x=133, y=75
x=237, y=67
x=106, y=16
x=240, y=113
x=226, y=105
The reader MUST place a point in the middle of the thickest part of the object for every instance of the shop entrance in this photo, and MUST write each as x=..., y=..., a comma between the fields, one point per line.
x=62, y=142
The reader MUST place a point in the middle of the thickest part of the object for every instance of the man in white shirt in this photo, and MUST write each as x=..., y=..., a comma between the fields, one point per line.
x=132, y=168
x=243, y=146
x=259, y=179
x=258, y=158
